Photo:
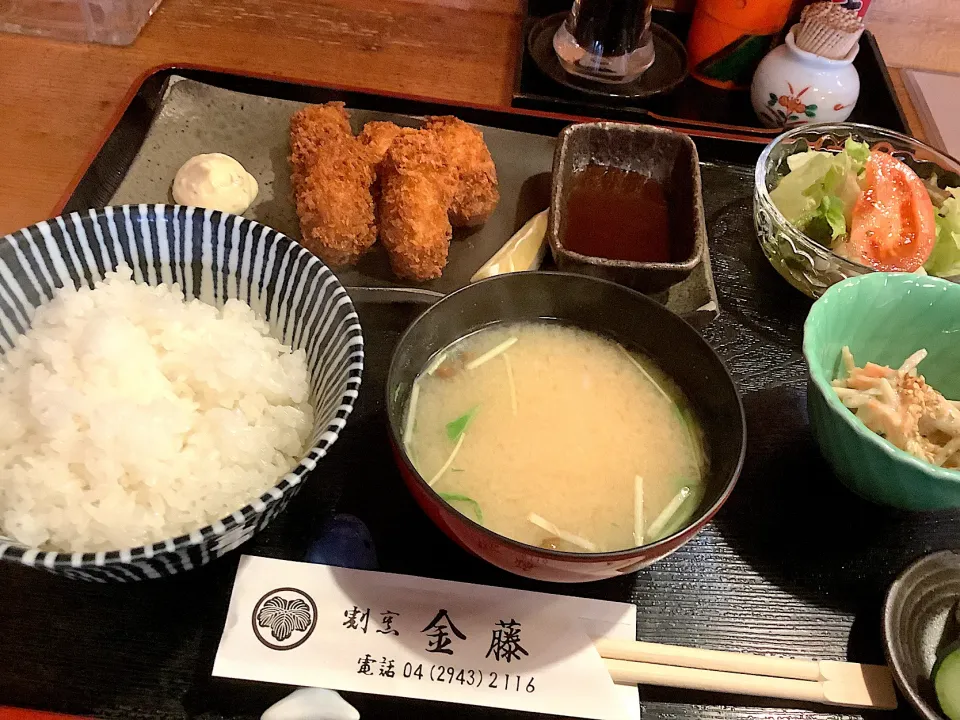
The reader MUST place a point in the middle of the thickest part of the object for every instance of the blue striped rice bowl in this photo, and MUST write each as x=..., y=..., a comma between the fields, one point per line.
x=214, y=257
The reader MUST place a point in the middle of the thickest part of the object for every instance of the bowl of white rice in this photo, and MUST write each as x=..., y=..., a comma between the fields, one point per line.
x=168, y=377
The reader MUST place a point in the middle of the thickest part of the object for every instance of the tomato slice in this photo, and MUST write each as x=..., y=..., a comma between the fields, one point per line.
x=893, y=226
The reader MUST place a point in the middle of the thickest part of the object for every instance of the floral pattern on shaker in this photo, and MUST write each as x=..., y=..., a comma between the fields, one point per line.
x=784, y=109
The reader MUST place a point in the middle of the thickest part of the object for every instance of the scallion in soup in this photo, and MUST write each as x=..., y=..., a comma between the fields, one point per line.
x=556, y=437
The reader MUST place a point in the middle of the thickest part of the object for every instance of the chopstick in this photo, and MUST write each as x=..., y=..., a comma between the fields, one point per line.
x=708, y=659
x=821, y=681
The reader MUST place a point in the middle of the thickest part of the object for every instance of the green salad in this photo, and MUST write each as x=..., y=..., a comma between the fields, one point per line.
x=873, y=209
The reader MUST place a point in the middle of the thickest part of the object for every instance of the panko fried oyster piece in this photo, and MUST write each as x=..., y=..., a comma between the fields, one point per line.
x=437, y=177
x=416, y=189
x=469, y=159
x=411, y=185
x=332, y=182
x=377, y=136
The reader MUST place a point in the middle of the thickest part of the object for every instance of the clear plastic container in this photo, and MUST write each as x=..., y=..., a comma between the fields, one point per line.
x=113, y=22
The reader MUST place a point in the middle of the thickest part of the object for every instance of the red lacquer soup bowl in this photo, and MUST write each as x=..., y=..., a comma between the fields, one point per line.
x=632, y=319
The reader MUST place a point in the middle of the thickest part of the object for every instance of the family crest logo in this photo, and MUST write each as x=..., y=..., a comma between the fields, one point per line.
x=284, y=618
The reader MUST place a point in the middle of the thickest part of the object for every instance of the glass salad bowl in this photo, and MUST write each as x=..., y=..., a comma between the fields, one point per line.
x=807, y=265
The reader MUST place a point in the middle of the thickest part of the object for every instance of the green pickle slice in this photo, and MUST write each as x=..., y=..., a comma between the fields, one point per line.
x=946, y=680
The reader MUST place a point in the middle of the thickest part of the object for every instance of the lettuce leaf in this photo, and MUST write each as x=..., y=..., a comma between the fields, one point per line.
x=937, y=194
x=791, y=195
x=945, y=258
x=858, y=152
x=828, y=226
x=814, y=176
x=831, y=210
x=798, y=160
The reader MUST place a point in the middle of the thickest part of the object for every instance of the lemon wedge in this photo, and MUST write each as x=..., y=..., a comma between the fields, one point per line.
x=523, y=251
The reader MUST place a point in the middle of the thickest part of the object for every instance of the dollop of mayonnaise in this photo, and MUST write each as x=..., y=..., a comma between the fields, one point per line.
x=215, y=181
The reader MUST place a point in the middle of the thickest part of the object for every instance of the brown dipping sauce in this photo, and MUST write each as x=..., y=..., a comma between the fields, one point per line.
x=617, y=214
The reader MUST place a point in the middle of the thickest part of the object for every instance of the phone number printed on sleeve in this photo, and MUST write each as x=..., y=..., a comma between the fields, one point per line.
x=468, y=677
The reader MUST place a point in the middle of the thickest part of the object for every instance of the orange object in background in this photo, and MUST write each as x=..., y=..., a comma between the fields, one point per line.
x=728, y=39
x=9, y=713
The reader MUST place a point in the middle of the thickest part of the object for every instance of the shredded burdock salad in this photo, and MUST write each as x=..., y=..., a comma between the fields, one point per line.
x=898, y=405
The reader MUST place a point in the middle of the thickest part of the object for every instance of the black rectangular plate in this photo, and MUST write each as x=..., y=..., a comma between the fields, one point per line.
x=692, y=103
x=196, y=117
x=792, y=565
x=110, y=163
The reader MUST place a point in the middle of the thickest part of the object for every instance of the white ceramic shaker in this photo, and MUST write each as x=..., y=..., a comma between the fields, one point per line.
x=792, y=86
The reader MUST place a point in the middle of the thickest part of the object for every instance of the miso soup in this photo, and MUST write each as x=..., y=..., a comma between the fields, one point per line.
x=556, y=437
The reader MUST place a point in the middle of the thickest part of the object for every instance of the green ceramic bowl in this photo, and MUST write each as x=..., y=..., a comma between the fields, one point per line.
x=883, y=318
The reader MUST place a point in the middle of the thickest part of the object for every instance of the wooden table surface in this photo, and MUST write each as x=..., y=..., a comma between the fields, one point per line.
x=57, y=98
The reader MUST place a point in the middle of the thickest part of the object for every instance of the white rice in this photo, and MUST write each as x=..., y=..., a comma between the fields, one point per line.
x=128, y=416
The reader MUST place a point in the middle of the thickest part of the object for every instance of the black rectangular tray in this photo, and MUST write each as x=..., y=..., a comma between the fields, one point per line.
x=693, y=104
x=792, y=565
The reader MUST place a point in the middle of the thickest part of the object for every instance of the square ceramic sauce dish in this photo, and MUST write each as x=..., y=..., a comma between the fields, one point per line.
x=626, y=205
